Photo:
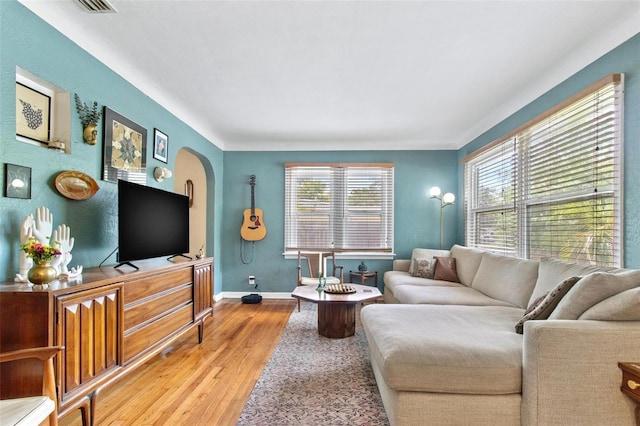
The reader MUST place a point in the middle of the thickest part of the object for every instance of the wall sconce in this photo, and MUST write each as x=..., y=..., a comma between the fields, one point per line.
x=161, y=173
x=188, y=191
x=445, y=200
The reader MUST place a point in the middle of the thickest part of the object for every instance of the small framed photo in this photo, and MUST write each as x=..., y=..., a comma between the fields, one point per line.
x=160, y=145
x=33, y=114
x=18, y=181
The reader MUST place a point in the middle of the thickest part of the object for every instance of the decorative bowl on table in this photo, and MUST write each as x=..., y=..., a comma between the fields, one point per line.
x=340, y=289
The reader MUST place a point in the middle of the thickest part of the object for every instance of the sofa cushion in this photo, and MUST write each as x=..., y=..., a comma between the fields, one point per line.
x=445, y=349
x=623, y=306
x=401, y=265
x=445, y=269
x=441, y=295
x=506, y=278
x=552, y=271
x=467, y=262
x=542, y=308
x=593, y=289
x=424, y=254
x=394, y=279
x=424, y=268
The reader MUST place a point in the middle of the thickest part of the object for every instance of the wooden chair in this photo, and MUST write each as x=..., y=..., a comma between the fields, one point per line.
x=311, y=263
x=30, y=400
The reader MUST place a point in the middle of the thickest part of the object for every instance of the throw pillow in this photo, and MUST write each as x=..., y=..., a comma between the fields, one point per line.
x=542, y=307
x=424, y=268
x=552, y=271
x=445, y=269
x=623, y=306
x=593, y=289
x=419, y=254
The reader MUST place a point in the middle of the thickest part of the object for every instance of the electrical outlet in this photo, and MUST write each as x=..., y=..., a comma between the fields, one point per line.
x=252, y=280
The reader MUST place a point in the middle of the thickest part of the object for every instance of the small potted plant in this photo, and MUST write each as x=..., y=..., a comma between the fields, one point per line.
x=89, y=116
x=42, y=272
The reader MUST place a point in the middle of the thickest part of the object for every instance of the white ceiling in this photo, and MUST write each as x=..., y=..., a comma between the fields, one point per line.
x=344, y=75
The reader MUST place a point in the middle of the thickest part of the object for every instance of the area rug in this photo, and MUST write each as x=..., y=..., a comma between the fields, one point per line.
x=313, y=380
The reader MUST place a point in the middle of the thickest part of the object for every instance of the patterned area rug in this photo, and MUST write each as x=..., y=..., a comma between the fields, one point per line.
x=313, y=380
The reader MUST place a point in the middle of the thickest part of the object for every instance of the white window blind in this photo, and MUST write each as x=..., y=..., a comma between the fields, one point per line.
x=339, y=206
x=560, y=176
x=491, y=212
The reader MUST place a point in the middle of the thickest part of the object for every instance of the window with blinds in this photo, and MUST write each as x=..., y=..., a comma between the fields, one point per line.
x=339, y=206
x=553, y=188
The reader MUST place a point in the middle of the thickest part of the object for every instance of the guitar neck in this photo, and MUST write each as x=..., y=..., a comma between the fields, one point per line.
x=253, y=203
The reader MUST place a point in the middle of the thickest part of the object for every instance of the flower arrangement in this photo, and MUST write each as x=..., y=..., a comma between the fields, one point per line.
x=40, y=252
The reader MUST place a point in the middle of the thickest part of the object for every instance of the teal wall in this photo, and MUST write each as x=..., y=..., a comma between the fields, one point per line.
x=624, y=59
x=417, y=218
x=30, y=43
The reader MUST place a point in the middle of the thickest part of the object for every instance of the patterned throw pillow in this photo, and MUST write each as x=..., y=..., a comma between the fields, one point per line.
x=542, y=307
x=424, y=268
x=445, y=269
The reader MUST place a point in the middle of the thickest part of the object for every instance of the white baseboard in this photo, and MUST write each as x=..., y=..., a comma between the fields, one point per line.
x=239, y=294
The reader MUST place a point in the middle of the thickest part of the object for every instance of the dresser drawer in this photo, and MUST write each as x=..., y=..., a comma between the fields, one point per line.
x=154, y=332
x=631, y=380
x=139, y=289
x=149, y=309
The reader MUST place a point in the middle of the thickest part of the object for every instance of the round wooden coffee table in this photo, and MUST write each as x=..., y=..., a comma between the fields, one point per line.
x=336, y=312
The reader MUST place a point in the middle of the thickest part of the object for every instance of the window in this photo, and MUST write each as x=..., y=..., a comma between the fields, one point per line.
x=346, y=207
x=553, y=188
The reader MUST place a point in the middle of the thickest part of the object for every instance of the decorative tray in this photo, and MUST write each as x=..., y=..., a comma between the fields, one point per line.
x=340, y=289
x=76, y=185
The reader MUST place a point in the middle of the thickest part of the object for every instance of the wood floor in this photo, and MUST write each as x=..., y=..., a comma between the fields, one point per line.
x=206, y=384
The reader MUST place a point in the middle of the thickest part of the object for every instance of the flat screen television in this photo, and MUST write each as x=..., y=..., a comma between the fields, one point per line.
x=151, y=223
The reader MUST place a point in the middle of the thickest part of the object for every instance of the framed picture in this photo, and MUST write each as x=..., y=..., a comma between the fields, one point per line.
x=125, y=149
x=18, y=181
x=33, y=114
x=160, y=145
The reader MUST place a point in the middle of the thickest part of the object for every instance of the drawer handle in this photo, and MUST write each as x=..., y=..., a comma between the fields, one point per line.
x=633, y=385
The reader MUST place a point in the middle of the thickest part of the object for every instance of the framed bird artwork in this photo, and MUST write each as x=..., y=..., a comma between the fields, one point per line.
x=33, y=114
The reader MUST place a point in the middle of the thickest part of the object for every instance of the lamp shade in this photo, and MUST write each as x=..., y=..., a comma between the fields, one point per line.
x=435, y=192
x=448, y=198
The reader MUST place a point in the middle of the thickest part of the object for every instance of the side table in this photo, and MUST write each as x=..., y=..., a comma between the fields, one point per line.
x=363, y=276
x=631, y=384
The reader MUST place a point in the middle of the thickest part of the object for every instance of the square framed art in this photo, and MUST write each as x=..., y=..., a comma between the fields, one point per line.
x=125, y=149
x=33, y=114
x=160, y=145
x=17, y=181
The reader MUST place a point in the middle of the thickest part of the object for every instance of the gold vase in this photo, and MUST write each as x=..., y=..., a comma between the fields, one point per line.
x=90, y=134
x=41, y=273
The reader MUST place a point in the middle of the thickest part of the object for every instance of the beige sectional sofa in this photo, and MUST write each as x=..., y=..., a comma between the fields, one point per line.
x=447, y=353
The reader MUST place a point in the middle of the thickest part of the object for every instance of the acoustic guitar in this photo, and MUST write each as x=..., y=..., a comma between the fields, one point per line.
x=253, y=228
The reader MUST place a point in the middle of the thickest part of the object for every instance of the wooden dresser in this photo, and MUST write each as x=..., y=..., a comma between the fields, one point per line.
x=109, y=322
x=631, y=384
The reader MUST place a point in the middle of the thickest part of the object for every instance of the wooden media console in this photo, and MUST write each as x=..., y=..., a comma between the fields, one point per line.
x=109, y=321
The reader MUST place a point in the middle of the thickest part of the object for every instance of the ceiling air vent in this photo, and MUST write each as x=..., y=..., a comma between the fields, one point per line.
x=97, y=6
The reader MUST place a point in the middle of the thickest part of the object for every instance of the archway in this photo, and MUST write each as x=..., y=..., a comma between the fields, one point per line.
x=189, y=168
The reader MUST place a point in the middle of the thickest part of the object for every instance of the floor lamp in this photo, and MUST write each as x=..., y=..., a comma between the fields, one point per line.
x=445, y=200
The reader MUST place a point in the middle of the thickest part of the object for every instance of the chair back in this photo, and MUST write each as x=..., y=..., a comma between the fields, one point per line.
x=310, y=263
x=37, y=376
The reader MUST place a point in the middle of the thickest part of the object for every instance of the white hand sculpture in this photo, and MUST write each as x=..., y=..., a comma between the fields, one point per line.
x=62, y=236
x=26, y=231
x=43, y=225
